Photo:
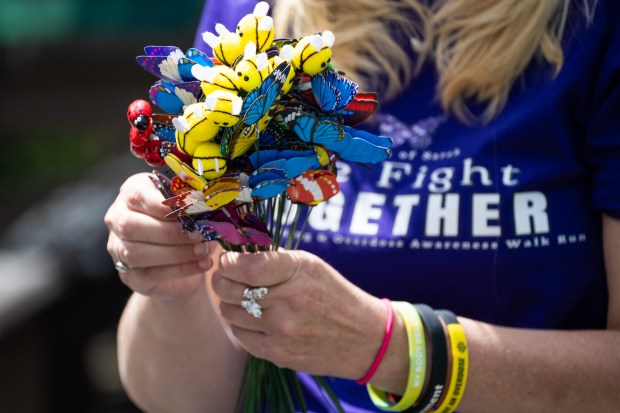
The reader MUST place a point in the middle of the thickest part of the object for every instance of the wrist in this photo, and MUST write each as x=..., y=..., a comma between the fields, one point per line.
x=391, y=374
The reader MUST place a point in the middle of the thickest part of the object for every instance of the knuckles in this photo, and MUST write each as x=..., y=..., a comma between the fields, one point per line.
x=284, y=329
x=125, y=226
x=133, y=197
x=130, y=253
x=300, y=302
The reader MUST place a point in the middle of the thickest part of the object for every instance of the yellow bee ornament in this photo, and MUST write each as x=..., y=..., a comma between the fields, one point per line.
x=257, y=28
x=313, y=53
x=216, y=78
x=252, y=69
x=226, y=47
x=208, y=161
x=194, y=128
x=224, y=108
x=285, y=55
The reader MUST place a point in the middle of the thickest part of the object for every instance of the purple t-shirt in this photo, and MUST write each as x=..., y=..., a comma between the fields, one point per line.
x=500, y=223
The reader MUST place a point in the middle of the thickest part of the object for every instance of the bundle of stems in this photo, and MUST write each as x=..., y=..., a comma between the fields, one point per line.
x=266, y=387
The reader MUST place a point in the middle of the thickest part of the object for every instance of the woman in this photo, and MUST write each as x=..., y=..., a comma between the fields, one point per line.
x=500, y=202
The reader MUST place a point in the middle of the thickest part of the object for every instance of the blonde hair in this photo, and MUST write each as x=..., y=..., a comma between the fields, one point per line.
x=480, y=47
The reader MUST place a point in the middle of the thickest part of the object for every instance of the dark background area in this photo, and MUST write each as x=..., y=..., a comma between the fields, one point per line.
x=69, y=72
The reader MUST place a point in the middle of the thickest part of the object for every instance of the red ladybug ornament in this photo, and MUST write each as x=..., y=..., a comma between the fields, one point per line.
x=152, y=153
x=140, y=117
x=138, y=151
x=139, y=137
x=138, y=111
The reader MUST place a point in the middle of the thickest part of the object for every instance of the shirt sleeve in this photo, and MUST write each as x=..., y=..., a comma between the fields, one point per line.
x=603, y=141
x=226, y=12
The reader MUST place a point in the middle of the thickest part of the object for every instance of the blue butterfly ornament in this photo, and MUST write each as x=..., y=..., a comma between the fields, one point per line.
x=258, y=102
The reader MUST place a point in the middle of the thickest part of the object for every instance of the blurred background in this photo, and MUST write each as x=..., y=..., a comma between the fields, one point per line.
x=68, y=73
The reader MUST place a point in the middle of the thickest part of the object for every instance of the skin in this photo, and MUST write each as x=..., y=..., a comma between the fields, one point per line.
x=186, y=315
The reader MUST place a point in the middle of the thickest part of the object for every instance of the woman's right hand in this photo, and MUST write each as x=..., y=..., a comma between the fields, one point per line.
x=163, y=261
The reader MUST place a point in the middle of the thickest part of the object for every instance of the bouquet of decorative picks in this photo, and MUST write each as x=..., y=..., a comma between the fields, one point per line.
x=251, y=137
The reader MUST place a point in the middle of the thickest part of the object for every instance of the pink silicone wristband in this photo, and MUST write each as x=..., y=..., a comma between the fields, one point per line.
x=389, y=326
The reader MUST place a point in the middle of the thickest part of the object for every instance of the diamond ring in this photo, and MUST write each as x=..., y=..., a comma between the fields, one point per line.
x=250, y=295
x=255, y=293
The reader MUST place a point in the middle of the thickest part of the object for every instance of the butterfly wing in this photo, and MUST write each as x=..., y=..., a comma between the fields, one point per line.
x=249, y=220
x=358, y=149
x=178, y=186
x=313, y=187
x=269, y=188
x=172, y=98
x=161, y=50
x=162, y=94
x=186, y=173
x=187, y=203
x=256, y=237
x=378, y=140
x=310, y=129
x=294, y=160
x=162, y=183
x=221, y=192
x=326, y=95
x=300, y=164
x=184, y=66
x=272, y=136
x=267, y=182
x=258, y=102
x=331, y=91
x=273, y=171
x=362, y=107
x=225, y=231
x=188, y=92
x=238, y=140
x=199, y=57
x=262, y=157
x=163, y=67
x=222, y=197
x=162, y=127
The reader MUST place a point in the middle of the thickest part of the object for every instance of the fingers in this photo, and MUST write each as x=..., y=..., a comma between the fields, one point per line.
x=261, y=269
x=150, y=264
x=141, y=195
x=162, y=260
x=141, y=227
x=230, y=292
x=153, y=280
x=138, y=215
x=144, y=255
x=237, y=316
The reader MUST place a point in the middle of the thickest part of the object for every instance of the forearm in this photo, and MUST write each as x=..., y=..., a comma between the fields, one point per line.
x=517, y=370
x=175, y=356
x=521, y=370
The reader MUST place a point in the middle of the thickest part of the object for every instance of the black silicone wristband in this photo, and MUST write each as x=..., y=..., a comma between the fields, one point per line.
x=448, y=316
x=439, y=360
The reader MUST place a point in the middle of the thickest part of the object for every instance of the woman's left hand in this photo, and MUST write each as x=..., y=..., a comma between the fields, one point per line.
x=313, y=319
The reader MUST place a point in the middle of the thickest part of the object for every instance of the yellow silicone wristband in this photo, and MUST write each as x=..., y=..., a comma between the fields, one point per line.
x=417, y=362
x=460, y=368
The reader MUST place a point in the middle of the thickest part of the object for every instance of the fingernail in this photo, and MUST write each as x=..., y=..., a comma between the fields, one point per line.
x=205, y=263
x=201, y=249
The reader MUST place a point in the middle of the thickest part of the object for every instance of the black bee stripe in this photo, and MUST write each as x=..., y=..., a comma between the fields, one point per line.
x=256, y=33
x=233, y=88
x=302, y=59
x=223, y=55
